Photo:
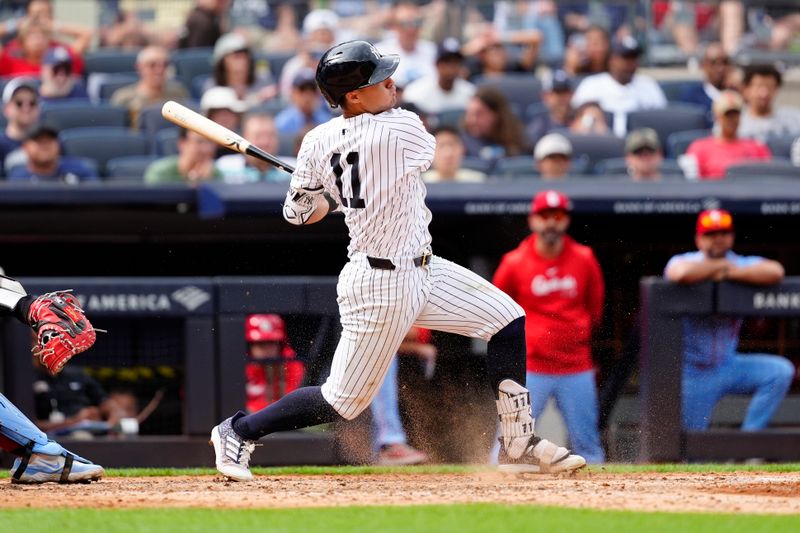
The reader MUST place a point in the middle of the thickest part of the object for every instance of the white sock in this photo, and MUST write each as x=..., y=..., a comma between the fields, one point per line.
x=516, y=421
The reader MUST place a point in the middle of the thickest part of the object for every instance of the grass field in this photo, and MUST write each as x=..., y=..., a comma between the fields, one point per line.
x=463, y=518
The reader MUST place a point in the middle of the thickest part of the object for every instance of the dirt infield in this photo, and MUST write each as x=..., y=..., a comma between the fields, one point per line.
x=749, y=492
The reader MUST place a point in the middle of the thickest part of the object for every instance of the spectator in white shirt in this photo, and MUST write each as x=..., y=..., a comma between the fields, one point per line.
x=417, y=56
x=621, y=90
x=445, y=90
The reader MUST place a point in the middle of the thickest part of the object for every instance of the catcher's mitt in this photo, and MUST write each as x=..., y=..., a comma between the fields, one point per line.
x=62, y=329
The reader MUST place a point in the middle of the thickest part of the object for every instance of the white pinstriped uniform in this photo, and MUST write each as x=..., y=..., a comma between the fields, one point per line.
x=383, y=199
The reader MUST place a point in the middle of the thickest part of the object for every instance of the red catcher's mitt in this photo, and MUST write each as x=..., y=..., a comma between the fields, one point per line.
x=62, y=330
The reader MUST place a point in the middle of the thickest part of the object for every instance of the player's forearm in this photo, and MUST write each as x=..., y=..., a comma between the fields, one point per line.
x=763, y=273
x=14, y=301
x=695, y=271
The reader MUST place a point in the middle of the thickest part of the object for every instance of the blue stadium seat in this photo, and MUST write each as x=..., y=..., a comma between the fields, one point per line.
x=522, y=90
x=777, y=168
x=674, y=88
x=151, y=121
x=522, y=166
x=64, y=115
x=102, y=86
x=271, y=107
x=103, y=144
x=165, y=142
x=678, y=142
x=595, y=148
x=128, y=168
x=110, y=60
x=451, y=117
x=275, y=61
x=476, y=163
x=286, y=144
x=190, y=63
x=672, y=119
x=617, y=166
x=198, y=85
x=781, y=145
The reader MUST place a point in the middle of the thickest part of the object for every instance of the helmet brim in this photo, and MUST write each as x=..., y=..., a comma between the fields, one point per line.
x=386, y=67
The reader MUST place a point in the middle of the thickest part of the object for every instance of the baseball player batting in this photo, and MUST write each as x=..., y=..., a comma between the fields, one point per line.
x=367, y=163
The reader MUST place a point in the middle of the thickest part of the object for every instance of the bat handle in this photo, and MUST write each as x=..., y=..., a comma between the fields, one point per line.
x=255, y=151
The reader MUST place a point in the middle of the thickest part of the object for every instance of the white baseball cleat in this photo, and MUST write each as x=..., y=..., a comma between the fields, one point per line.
x=43, y=468
x=232, y=452
x=540, y=456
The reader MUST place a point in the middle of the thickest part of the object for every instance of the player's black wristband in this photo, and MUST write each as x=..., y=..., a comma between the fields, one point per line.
x=332, y=205
x=21, y=310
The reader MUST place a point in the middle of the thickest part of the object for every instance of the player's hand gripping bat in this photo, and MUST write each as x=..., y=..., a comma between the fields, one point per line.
x=191, y=120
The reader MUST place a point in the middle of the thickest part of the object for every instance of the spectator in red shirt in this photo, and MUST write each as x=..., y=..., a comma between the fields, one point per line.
x=24, y=55
x=273, y=369
x=559, y=284
x=708, y=158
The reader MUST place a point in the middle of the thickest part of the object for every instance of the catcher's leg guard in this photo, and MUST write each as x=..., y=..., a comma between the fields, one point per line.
x=48, y=460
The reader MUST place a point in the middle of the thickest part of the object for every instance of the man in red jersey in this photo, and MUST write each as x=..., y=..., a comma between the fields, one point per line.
x=559, y=284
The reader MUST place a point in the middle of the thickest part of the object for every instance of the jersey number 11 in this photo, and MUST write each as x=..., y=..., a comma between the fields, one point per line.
x=355, y=201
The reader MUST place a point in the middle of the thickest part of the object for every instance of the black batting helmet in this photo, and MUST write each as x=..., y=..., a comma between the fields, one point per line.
x=350, y=66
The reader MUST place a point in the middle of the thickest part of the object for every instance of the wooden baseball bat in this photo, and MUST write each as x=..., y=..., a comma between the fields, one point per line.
x=191, y=120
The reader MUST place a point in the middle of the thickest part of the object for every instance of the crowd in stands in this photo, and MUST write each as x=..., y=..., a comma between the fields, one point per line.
x=513, y=89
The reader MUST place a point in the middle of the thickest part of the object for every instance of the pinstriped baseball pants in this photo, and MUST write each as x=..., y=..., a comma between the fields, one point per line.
x=378, y=307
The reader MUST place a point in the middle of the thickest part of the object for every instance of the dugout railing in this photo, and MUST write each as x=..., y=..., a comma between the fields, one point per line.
x=664, y=305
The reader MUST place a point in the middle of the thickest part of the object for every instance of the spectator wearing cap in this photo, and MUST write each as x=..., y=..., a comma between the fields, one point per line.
x=447, y=159
x=560, y=285
x=222, y=105
x=552, y=156
x=489, y=128
x=234, y=67
x=716, y=66
x=445, y=90
x=761, y=118
x=58, y=82
x=36, y=34
x=643, y=155
x=556, y=96
x=712, y=364
x=194, y=163
x=621, y=89
x=417, y=56
x=259, y=129
x=306, y=109
x=708, y=158
x=21, y=111
x=45, y=162
x=321, y=30
x=153, y=87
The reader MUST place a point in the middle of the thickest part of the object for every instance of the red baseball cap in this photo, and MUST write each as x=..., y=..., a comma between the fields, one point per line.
x=260, y=328
x=712, y=220
x=550, y=199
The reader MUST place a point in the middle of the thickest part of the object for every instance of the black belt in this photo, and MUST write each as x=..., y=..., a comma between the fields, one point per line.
x=386, y=264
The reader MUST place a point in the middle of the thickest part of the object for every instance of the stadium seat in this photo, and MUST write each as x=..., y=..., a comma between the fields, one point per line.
x=286, y=144
x=617, y=166
x=151, y=121
x=128, y=168
x=781, y=145
x=673, y=88
x=678, y=142
x=65, y=115
x=476, y=163
x=450, y=118
x=102, y=86
x=672, y=119
x=197, y=88
x=110, y=60
x=274, y=61
x=516, y=167
x=777, y=168
x=271, y=107
x=594, y=148
x=165, y=142
x=522, y=90
x=103, y=144
x=190, y=63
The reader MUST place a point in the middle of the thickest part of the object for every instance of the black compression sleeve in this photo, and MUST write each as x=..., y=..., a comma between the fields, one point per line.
x=21, y=310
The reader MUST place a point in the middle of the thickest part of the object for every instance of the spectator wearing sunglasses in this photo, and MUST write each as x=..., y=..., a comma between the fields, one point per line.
x=417, y=56
x=58, y=81
x=21, y=110
x=560, y=285
x=716, y=68
x=154, y=86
